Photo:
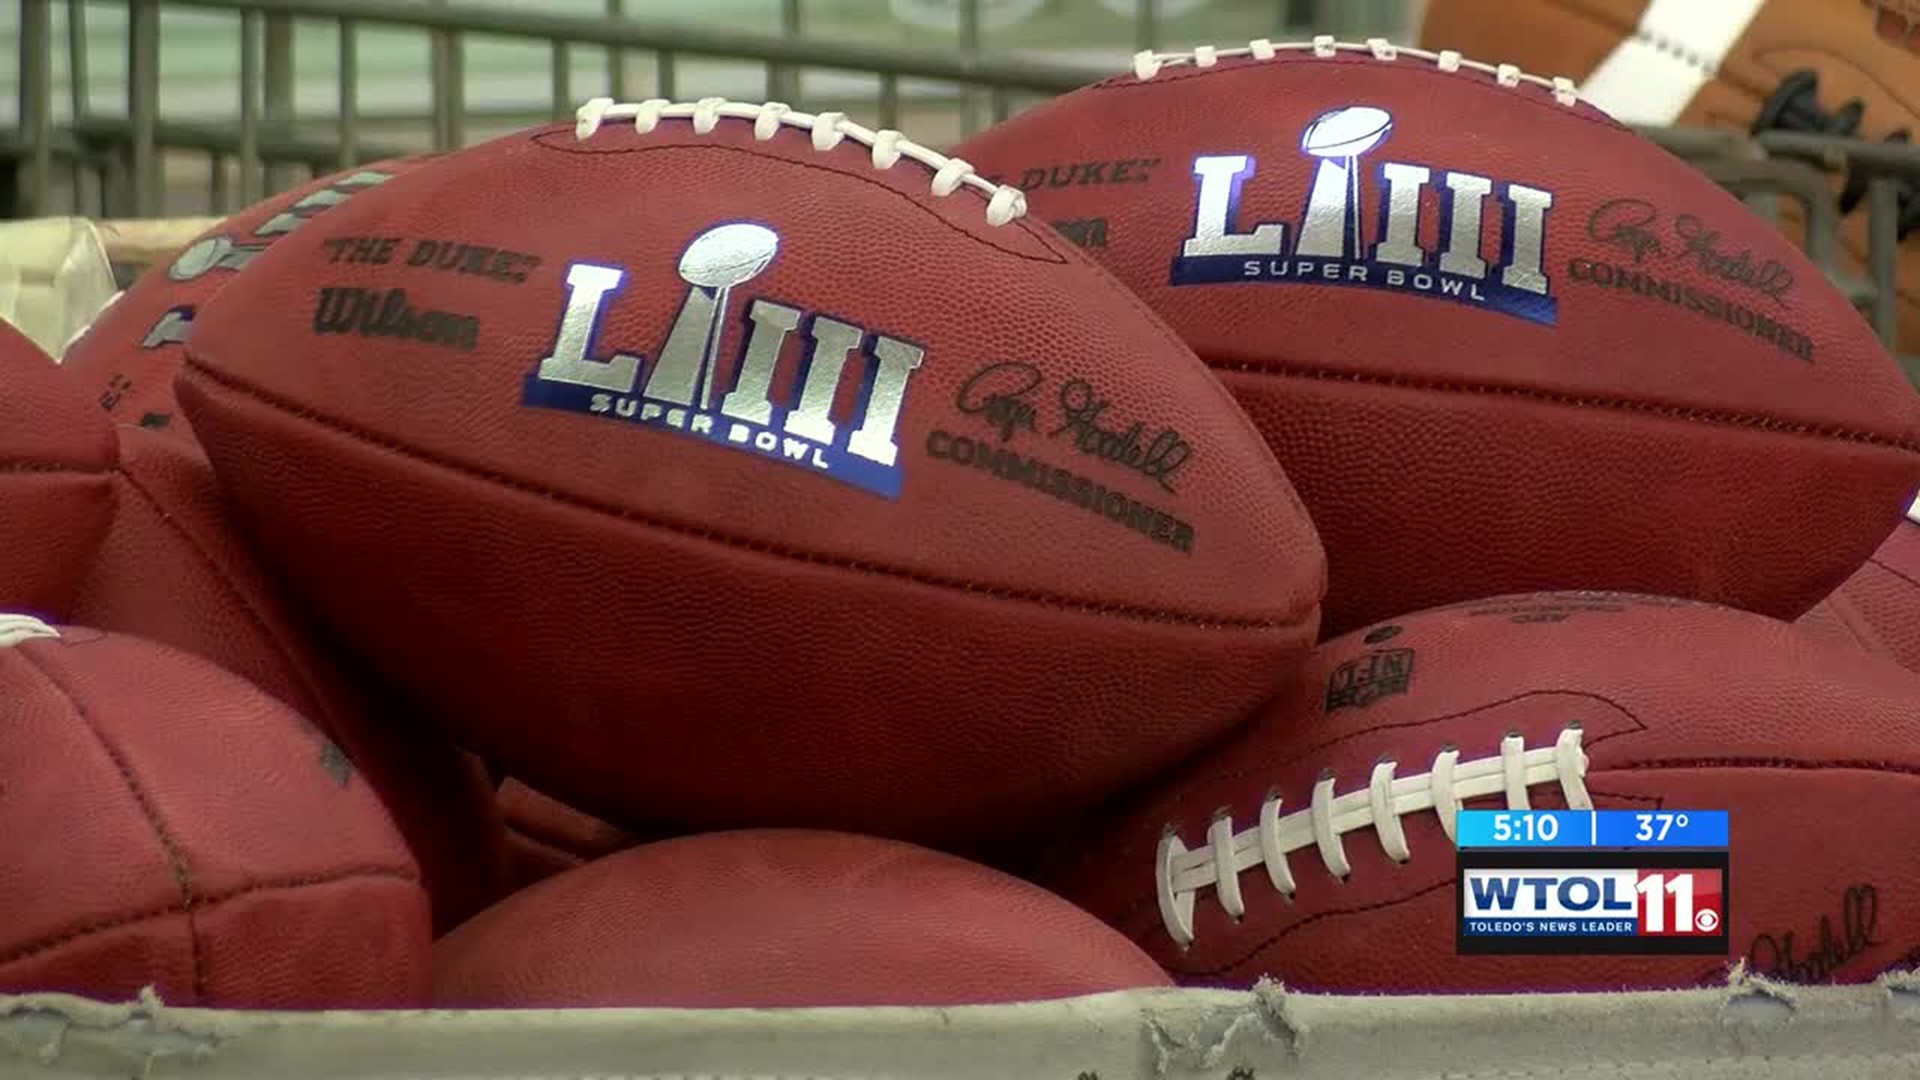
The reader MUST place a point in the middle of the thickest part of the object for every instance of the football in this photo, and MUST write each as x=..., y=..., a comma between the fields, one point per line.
x=128, y=357
x=1878, y=608
x=1841, y=67
x=729, y=504
x=1506, y=345
x=173, y=569
x=56, y=466
x=781, y=918
x=167, y=825
x=1316, y=845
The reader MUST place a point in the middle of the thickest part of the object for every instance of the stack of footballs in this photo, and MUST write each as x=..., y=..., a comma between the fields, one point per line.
x=917, y=607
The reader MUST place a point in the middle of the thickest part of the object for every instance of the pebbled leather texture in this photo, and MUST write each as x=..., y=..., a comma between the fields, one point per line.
x=129, y=355
x=56, y=461
x=1446, y=449
x=1682, y=705
x=781, y=918
x=164, y=824
x=1878, y=608
x=662, y=630
x=174, y=569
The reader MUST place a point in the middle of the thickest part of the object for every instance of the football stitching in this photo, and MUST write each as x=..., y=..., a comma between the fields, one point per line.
x=1637, y=32
x=1147, y=934
x=1182, y=874
x=828, y=129
x=1588, y=115
x=1182, y=799
x=1758, y=421
x=205, y=903
x=1045, y=239
x=1144, y=936
x=1246, y=956
x=177, y=863
x=1661, y=43
x=1063, y=256
x=735, y=543
x=1147, y=63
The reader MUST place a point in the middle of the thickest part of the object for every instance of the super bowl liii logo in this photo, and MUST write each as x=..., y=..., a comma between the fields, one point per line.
x=230, y=253
x=1331, y=247
x=583, y=373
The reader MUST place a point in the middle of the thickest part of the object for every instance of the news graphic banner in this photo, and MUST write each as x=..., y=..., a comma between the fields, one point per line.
x=1592, y=882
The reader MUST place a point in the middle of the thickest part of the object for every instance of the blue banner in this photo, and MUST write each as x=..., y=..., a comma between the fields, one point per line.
x=1592, y=829
x=1660, y=828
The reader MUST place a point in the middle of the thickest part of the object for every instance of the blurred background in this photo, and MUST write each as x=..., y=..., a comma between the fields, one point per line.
x=421, y=73
x=181, y=110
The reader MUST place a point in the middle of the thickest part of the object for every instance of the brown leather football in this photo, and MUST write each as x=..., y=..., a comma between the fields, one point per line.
x=1316, y=845
x=164, y=824
x=714, y=464
x=781, y=918
x=174, y=569
x=128, y=356
x=56, y=488
x=1499, y=342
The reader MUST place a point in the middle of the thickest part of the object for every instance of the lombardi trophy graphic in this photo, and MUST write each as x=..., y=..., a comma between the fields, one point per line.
x=1338, y=138
x=718, y=260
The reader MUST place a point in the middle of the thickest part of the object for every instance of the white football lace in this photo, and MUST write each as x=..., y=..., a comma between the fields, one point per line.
x=16, y=628
x=828, y=129
x=1180, y=872
x=1677, y=49
x=1148, y=63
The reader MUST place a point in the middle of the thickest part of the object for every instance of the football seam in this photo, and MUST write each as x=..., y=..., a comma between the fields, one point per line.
x=596, y=506
x=1855, y=625
x=53, y=467
x=321, y=713
x=368, y=872
x=1755, y=421
x=1592, y=115
x=171, y=522
x=1893, y=570
x=179, y=868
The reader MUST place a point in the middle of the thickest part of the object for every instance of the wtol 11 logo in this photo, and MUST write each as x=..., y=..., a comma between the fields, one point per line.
x=1592, y=882
x=683, y=390
x=1331, y=246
